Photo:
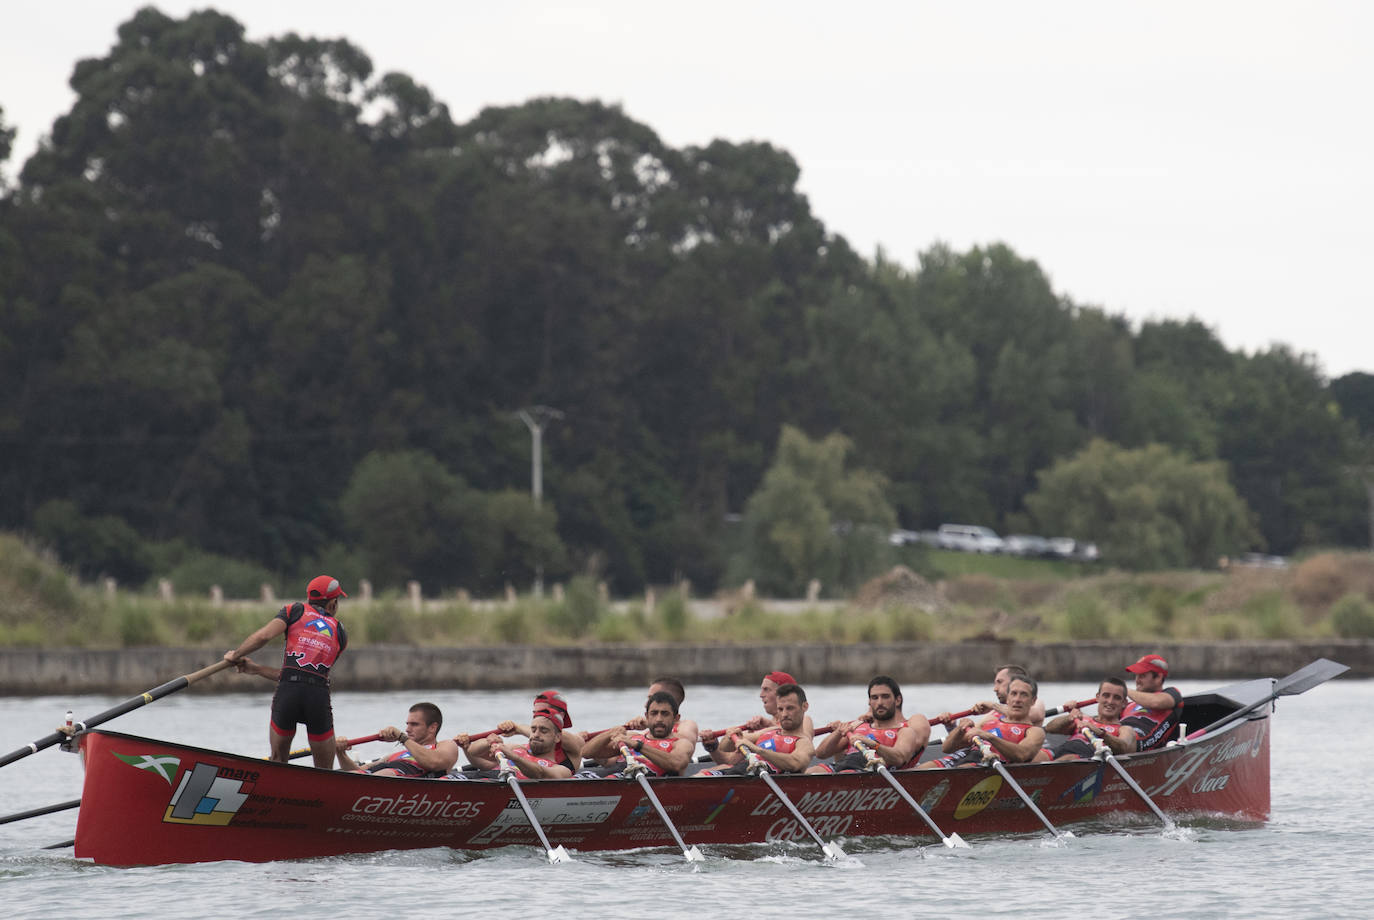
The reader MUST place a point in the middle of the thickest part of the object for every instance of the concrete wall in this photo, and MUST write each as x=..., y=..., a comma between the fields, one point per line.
x=119, y=671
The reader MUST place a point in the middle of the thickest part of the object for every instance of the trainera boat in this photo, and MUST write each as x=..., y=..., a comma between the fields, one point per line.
x=148, y=802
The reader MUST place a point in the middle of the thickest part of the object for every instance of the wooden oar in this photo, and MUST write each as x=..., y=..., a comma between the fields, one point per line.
x=1105, y=753
x=969, y=712
x=556, y=854
x=298, y=753
x=875, y=763
x=1001, y=768
x=634, y=768
x=35, y=812
x=832, y=851
x=143, y=699
x=1300, y=681
x=1081, y=704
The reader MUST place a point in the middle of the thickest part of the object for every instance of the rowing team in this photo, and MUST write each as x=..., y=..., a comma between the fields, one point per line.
x=784, y=740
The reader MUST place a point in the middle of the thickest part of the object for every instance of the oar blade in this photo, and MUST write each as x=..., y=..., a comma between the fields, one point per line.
x=1304, y=679
x=559, y=854
x=693, y=854
x=955, y=842
x=833, y=853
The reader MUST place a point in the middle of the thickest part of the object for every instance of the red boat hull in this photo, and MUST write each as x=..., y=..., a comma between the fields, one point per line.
x=148, y=802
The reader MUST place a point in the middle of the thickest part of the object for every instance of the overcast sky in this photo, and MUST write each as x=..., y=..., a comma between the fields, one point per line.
x=1164, y=159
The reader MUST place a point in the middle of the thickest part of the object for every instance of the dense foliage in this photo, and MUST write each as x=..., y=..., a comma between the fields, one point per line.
x=260, y=303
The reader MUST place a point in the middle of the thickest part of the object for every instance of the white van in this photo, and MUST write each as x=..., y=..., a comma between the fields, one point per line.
x=969, y=538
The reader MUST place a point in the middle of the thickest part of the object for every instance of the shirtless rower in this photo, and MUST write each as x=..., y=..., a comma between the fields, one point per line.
x=896, y=738
x=1154, y=710
x=1012, y=737
x=420, y=755
x=786, y=748
x=1120, y=739
x=658, y=747
x=768, y=694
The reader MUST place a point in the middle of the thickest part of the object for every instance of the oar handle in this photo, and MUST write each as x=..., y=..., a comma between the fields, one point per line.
x=298, y=753
x=952, y=716
x=1079, y=705
x=143, y=699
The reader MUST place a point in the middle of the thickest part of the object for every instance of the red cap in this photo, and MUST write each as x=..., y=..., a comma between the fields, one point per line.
x=552, y=704
x=780, y=677
x=324, y=587
x=1149, y=663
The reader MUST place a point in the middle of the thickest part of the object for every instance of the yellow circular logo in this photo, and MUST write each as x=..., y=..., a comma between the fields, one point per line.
x=977, y=798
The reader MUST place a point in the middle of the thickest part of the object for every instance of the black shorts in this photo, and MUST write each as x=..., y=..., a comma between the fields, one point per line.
x=1075, y=746
x=299, y=702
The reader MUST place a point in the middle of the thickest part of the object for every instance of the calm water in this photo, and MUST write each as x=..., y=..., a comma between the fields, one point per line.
x=1311, y=860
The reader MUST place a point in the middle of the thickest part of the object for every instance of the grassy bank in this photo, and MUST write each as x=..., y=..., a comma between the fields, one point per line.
x=1325, y=595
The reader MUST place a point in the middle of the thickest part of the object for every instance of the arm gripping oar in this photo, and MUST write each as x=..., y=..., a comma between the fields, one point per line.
x=634, y=768
x=556, y=854
x=1105, y=753
x=832, y=851
x=143, y=699
x=1001, y=768
x=876, y=764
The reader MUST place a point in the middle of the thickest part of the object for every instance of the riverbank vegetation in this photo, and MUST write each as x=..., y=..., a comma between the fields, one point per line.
x=265, y=312
x=1325, y=595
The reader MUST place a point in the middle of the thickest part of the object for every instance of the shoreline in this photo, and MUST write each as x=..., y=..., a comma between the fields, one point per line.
x=45, y=672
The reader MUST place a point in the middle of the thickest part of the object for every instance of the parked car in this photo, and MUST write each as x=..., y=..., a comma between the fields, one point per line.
x=1076, y=550
x=1025, y=544
x=969, y=538
x=903, y=537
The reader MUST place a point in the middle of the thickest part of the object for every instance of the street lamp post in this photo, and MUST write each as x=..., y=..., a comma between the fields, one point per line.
x=536, y=418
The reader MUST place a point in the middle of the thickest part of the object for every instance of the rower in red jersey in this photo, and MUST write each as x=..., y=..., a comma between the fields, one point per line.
x=1107, y=725
x=1155, y=710
x=787, y=748
x=1013, y=737
x=421, y=754
x=886, y=729
x=658, y=747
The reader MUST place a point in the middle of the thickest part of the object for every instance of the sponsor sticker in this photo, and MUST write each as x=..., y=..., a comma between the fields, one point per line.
x=978, y=798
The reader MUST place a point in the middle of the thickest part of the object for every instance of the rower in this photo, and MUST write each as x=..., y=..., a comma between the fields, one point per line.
x=684, y=728
x=662, y=751
x=535, y=759
x=1013, y=738
x=420, y=755
x=768, y=694
x=1001, y=679
x=1120, y=739
x=895, y=738
x=1155, y=710
x=784, y=749
x=567, y=745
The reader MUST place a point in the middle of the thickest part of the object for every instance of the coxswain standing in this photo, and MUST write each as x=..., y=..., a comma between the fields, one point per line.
x=314, y=640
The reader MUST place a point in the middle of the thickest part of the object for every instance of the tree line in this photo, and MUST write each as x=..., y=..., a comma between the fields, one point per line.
x=262, y=307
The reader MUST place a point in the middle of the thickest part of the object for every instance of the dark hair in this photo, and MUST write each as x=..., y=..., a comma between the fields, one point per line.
x=1113, y=680
x=1013, y=670
x=662, y=696
x=792, y=690
x=1028, y=681
x=674, y=685
x=888, y=682
x=430, y=713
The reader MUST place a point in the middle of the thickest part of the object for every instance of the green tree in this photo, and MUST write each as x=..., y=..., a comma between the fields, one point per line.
x=813, y=518
x=414, y=519
x=1147, y=508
